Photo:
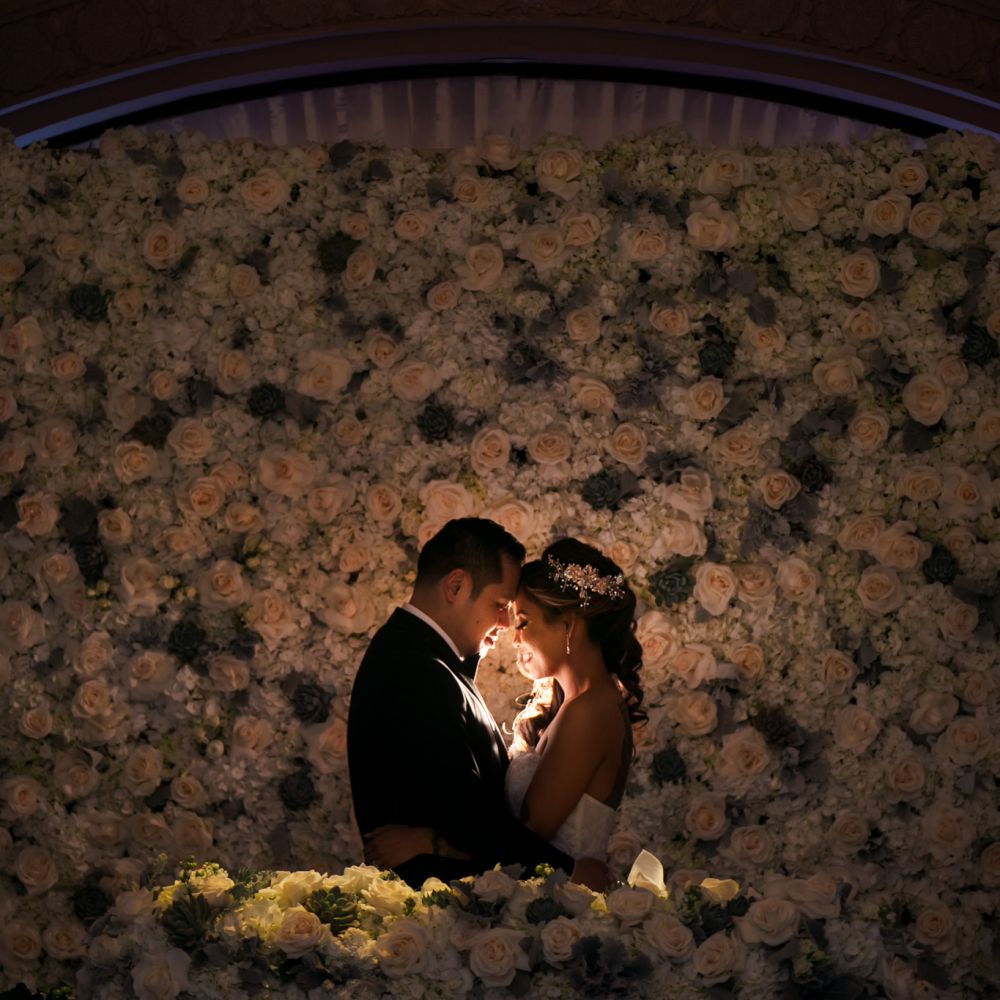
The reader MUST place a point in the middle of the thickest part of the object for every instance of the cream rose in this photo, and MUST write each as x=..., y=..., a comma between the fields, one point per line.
x=739, y=446
x=628, y=444
x=402, y=949
x=38, y=514
x=222, y=587
x=54, y=442
x=693, y=663
x=801, y=205
x=797, y=579
x=768, y=921
x=967, y=740
x=74, y=775
x=887, y=215
x=147, y=674
x=130, y=302
x=860, y=274
x=36, y=722
x=327, y=746
x=36, y=870
x=838, y=375
x=265, y=191
x=630, y=905
x=355, y=225
x=496, y=955
x=139, y=587
x=763, y=339
x=359, y=271
x=710, y=227
x=932, y=712
x=233, y=371
x=696, y=713
x=935, y=927
x=725, y=170
x=706, y=816
x=115, y=527
x=862, y=323
x=839, y=672
x=65, y=939
x=347, y=609
x=21, y=627
x=757, y=584
x=748, y=658
x=868, y=431
x=966, y=493
x=558, y=937
x=481, y=269
x=752, y=845
x=133, y=462
x=383, y=349
x=443, y=296
x=143, y=771
x=273, y=617
x=489, y=450
x=717, y=958
x=925, y=220
x=285, y=472
x=556, y=170
x=20, y=942
x=499, y=151
x=21, y=341
x=921, y=483
x=581, y=229
x=946, y=832
x=777, y=487
x=855, y=728
x=383, y=503
x=515, y=515
x=228, y=673
x=414, y=380
x=986, y=435
x=591, y=394
x=905, y=777
x=68, y=366
x=190, y=440
x=909, y=175
x=669, y=937
x=22, y=796
x=584, y=325
x=744, y=754
x=244, y=281
x=251, y=735
x=542, y=246
x=926, y=399
x=880, y=590
x=550, y=447
x=11, y=268
x=679, y=536
x=643, y=245
x=192, y=189
x=162, y=246
x=658, y=637
x=848, y=833
x=329, y=499
x=714, y=587
x=898, y=549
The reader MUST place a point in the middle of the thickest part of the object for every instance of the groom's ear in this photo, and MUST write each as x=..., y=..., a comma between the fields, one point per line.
x=452, y=584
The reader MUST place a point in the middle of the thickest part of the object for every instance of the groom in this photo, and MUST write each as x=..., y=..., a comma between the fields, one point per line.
x=423, y=748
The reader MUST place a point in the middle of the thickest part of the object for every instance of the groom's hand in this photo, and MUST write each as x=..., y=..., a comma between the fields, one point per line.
x=592, y=873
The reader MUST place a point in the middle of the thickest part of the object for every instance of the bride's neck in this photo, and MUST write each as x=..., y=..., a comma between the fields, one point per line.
x=584, y=670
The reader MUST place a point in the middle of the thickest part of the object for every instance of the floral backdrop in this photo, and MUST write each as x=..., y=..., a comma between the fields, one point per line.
x=240, y=385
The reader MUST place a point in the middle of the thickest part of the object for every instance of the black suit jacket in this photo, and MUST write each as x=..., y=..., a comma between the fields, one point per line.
x=424, y=750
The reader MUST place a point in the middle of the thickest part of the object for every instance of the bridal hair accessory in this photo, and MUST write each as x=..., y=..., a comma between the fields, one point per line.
x=585, y=580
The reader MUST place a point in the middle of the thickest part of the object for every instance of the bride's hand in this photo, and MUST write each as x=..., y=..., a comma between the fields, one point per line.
x=391, y=845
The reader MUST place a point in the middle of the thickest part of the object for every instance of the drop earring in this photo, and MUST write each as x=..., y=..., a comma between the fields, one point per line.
x=567, y=642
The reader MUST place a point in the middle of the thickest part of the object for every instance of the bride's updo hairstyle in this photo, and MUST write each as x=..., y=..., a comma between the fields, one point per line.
x=573, y=577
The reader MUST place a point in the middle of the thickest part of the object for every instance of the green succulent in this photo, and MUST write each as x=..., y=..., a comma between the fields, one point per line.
x=333, y=907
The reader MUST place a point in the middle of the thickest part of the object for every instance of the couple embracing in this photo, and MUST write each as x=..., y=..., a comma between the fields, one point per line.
x=436, y=791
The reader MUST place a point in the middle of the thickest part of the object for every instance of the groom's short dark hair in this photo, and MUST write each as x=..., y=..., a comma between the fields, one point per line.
x=474, y=544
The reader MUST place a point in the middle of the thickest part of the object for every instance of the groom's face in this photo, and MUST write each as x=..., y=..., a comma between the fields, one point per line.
x=488, y=613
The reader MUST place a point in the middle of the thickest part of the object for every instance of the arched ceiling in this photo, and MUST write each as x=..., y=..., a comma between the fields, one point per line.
x=66, y=65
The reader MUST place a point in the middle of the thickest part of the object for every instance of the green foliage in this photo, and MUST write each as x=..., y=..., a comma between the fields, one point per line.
x=333, y=907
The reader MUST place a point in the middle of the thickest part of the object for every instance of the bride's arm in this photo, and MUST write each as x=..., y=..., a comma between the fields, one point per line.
x=573, y=752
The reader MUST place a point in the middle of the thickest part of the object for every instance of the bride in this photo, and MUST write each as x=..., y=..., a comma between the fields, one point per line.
x=574, y=630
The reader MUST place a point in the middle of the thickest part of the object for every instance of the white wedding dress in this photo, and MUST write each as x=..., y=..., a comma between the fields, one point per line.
x=588, y=827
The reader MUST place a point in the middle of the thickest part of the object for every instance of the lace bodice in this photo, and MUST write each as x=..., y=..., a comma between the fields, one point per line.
x=588, y=827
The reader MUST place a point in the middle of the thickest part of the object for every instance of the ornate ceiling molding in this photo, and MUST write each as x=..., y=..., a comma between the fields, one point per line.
x=72, y=63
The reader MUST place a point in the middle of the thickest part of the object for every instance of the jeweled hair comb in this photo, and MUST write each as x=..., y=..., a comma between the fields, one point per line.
x=585, y=580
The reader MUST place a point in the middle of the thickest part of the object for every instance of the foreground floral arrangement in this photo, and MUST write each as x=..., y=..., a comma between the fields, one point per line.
x=239, y=386
x=367, y=934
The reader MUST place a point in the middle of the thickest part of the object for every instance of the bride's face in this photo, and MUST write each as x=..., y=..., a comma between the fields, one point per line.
x=540, y=643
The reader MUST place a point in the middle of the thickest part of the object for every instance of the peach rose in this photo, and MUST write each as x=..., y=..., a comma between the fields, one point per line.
x=22, y=796
x=36, y=722
x=748, y=658
x=628, y=444
x=542, y=246
x=143, y=770
x=482, y=268
x=414, y=380
x=855, y=728
x=115, y=527
x=642, y=245
x=935, y=927
x=705, y=399
x=190, y=440
x=38, y=514
x=777, y=487
x=696, y=714
x=139, y=587
x=926, y=219
x=909, y=175
x=584, y=325
x=192, y=189
x=756, y=582
x=926, y=399
x=130, y=302
x=22, y=341
x=348, y=432
x=967, y=740
x=921, y=483
x=354, y=224
x=233, y=372
x=797, y=579
x=768, y=339
x=163, y=385
x=359, y=272
x=162, y=246
x=550, y=447
x=898, y=549
x=839, y=672
x=36, y=870
x=413, y=225
x=251, y=735
x=861, y=533
x=715, y=587
x=94, y=654
x=673, y=320
x=68, y=366
x=327, y=746
x=54, y=442
x=285, y=472
x=906, y=777
x=862, y=323
x=21, y=627
x=133, y=462
x=324, y=375
x=880, y=590
x=244, y=281
x=848, y=833
x=383, y=349
x=383, y=503
x=228, y=673
x=739, y=446
x=11, y=268
x=556, y=169
x=868, y=431
x=581, y=229
x=221, y=586
x=952, y=370
x=265, y=191
x=591, y=394
x=710, y=227
x=860, y=274
x=838, y=375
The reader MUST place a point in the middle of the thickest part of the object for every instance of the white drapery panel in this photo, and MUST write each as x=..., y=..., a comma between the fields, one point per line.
x=451, y=112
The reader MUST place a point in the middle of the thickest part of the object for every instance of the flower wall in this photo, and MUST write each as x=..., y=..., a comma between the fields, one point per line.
x=240, y=385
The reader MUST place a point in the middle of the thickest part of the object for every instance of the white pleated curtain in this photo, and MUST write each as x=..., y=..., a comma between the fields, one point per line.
x=451, y=112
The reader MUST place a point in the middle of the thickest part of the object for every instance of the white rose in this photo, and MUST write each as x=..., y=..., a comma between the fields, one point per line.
x=65, y=939
x=965, y=493
x=717, y=958
x=414, y=380
x=161, y=975
x=285, y=472
x=868, y=431
x=880, y=590
x=714, y=587
x=359, y=271
x=744, y=754
x=642, y=245
x=739, y=446
x=413, y=225
x=558, y=937
x=859, y=274
x=987, y=431
x=710, y=227
x=673, y=320
x=669, y=937
x=326, y=745
x=444, y=500
x=658, y=637
x=798, y=580
x=443, y=296
x=925, y=220
x=975, y=687
x=147, y=674
x=777, y=487
x=855, y=728
x=574, y=897
x=228, y=673
x=838, y=375
x=591, y=394
x=402, y=949
x=905, y=776
x=706, y=818
x=909, y=175
x=494, y=886
x=926, y=399
x=481, y=269
x=162, y=246
x=272, y=617
x=768, y=921
x=550, y=446
x=696, y=713
x=848, y=833
x=326, y=501
x=752, y=845
x=251, y=735
x=693, y=663
x=143, y=770
x=757, y=584
x=139, y=587
x=348, y=609
x=324, y=375
x=383, y=503
x=489, y=450
x=54, y=442
x=630, y=905
x=221, y=586
x=21, y=627
x=801, y=206
x=581, y=229
x=496, y=955
x=692, y=494
x=862, y=323
x=36, y=870
x=38, y=514
x=556, y=169
x=20, y=942
x=679, y=536
x=265, y=191
x=705, y=399
x=898, y=549
x=946, y=832
x=542, y=246
x=115, y=527
x=887, y=215
x=932, y=712
x=764, y=339
x=623, y=848
x=628, y=444
x=934, y=927
x=725, y=170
